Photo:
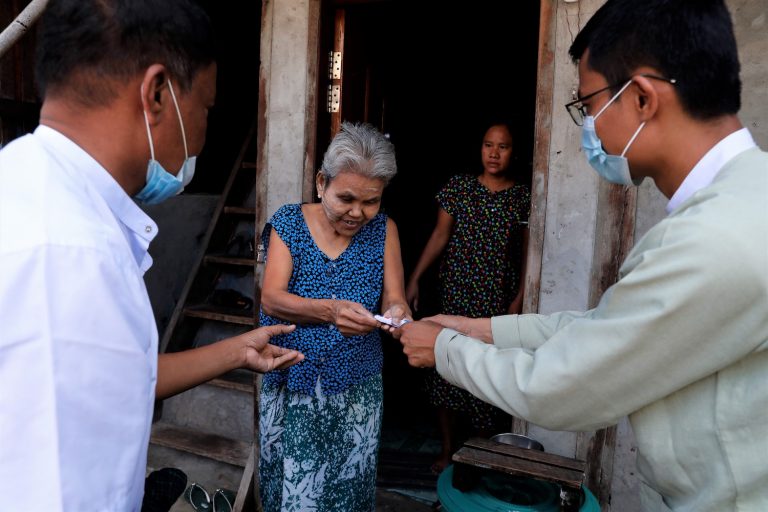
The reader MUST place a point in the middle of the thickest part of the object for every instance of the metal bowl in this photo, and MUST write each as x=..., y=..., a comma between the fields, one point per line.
x=518, y=440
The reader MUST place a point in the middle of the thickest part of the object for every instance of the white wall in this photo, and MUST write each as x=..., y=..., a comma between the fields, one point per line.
x=284, y=60
x=750, y=20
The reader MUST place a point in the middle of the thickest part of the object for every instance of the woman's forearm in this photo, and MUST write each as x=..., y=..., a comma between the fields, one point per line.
x=298, y=310
x=435, y=245
x=431, y=252
x=393, y=291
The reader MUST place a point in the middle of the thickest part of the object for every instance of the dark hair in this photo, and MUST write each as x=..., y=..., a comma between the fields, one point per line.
x=691, y=41
x=84, y=46
x=499, y=121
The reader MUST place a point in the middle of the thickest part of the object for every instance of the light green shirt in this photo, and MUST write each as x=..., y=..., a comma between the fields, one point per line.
x=678, y=344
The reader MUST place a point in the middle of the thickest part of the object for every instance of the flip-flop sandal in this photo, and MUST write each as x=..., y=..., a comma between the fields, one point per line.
x=223, y=500
x=198, y=497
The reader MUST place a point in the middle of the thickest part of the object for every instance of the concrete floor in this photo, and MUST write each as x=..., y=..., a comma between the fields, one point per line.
x=386, y=501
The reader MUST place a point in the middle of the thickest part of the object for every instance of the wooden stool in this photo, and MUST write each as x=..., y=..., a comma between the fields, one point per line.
x=480, y=454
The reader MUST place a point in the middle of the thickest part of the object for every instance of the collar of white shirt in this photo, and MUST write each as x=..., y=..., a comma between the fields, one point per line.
x=137, y=226
x=707, y=168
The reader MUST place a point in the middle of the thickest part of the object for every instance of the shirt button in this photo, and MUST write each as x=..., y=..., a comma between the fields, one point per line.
x=333, y=295
x=148, y=229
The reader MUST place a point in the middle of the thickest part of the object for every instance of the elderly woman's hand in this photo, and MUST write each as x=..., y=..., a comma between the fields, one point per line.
x=352, y=319
x=399, y=314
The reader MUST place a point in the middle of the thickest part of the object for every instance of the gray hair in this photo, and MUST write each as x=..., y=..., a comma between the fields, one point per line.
x=362, y=149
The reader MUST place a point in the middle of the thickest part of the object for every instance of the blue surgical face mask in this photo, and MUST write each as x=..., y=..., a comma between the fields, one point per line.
x=612, y=168
x=160, y=183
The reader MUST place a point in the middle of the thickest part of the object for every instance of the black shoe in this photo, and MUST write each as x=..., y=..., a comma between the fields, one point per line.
x=162, y=488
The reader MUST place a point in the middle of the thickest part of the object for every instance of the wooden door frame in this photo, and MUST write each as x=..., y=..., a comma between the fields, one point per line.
x=545, y=85
x=614, y=224
x=314, y=94
x=613, y=239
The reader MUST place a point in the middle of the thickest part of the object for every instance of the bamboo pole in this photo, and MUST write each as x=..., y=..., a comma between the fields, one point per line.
x=21, y=24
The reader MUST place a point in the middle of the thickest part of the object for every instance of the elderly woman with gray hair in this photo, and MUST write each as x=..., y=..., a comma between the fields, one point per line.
x=330, y=267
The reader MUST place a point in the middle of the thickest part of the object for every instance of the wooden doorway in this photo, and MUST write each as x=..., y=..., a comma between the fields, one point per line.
x=429, y=77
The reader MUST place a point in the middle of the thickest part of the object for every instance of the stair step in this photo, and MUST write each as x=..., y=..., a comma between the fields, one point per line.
x=220, y=314
x=239, y=380
x=222, y=407
x=239, y=210
x=218, y=448
x=206, y=472
x=224, y=259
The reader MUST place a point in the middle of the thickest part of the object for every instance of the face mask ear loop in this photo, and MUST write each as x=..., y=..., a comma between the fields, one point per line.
x=637, y=132
x=613, y=99
x=149, y=133
x=181, y=123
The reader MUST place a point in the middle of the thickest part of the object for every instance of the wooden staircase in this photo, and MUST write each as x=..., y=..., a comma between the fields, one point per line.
x=208, y=431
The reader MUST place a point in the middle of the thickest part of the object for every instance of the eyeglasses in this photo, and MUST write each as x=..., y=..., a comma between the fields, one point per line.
x=578, y=110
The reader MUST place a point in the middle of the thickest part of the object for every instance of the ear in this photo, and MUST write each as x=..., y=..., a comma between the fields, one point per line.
x=153, y=84
x=646, y=101
x=320, y=182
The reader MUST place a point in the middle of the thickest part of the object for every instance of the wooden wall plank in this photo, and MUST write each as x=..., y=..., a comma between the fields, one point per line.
x=541, y=149
x=614, y=238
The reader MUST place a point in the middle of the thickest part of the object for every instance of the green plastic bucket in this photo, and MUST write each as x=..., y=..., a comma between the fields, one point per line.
x=497, y=492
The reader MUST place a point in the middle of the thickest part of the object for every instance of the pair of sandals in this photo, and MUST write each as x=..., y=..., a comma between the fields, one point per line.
x=222, y=500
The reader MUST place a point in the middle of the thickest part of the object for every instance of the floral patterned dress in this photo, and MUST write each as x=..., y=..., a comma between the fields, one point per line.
x=320, y=420
x=479, y=273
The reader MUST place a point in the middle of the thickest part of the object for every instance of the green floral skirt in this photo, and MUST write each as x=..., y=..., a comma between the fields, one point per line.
x=319, y=453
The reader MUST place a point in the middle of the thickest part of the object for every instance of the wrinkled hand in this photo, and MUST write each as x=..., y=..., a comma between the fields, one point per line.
x=418, y=340
x=398, y=313
x=261, y=356
x=352, y=319
x=412, y=294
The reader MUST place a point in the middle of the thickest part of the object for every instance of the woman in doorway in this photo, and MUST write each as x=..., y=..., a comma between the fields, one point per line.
x=330, y=266
x=481, y=233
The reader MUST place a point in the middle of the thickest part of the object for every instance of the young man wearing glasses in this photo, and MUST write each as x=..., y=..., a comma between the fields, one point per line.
x=680, y=342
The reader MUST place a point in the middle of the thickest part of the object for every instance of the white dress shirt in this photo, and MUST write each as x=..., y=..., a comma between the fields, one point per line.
x=710, y=164
x=78, y=340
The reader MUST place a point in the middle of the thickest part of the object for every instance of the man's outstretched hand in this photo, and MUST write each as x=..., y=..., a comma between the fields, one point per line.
x=261, y=356
x=418, y=340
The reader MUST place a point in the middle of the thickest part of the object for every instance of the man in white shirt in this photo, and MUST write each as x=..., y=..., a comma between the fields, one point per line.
x=679, y=343
x=127, y=85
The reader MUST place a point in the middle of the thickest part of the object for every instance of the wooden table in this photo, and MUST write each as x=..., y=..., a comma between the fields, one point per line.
x=479, y=454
